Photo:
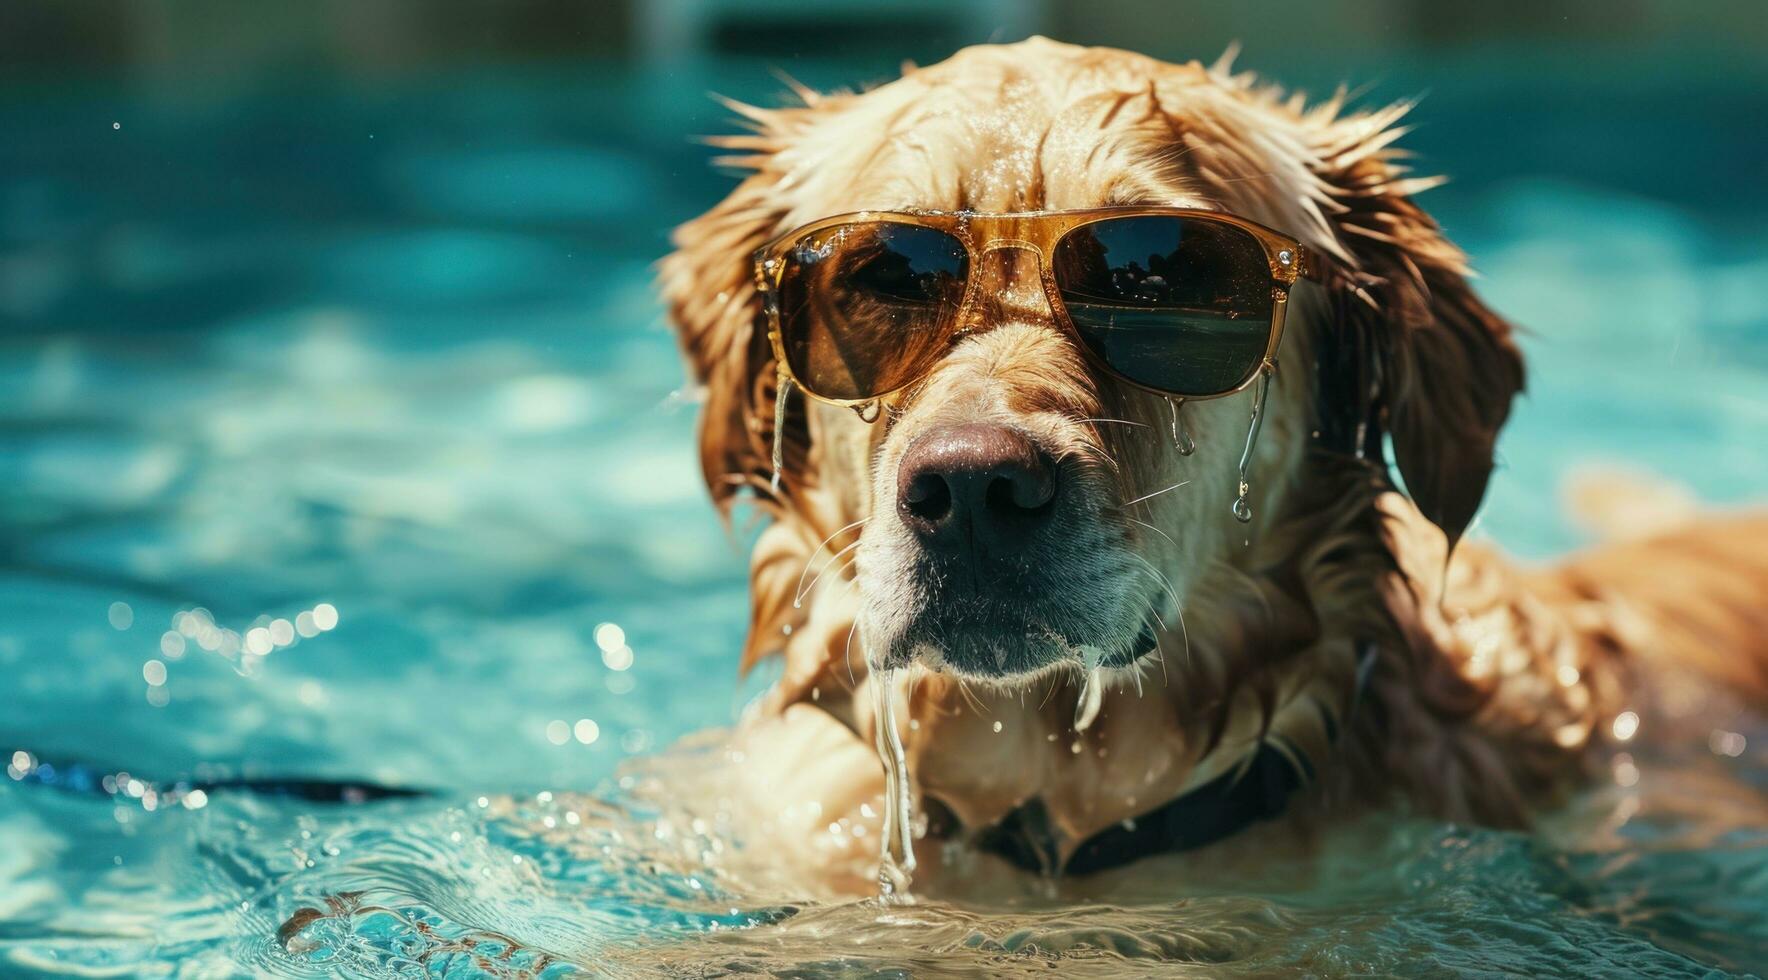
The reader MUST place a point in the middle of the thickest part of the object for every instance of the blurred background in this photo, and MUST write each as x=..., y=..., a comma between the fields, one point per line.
x=341, y=436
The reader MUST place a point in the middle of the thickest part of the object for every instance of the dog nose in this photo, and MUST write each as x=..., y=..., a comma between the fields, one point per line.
x=974, y=486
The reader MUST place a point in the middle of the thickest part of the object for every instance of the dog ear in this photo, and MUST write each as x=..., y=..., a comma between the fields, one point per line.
x=1415, y=350
x=1442, y=368
x=709, y=287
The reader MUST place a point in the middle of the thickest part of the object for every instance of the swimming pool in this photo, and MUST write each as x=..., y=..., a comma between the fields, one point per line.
x=338, y=422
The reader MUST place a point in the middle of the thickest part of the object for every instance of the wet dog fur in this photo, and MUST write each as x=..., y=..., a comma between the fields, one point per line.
x=1494, y=687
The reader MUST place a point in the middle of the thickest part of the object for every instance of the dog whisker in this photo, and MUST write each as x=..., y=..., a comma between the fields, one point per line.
x=1185, y=632
x=1160, y=651
x=847, y=655
x=1151, y=527
x=1050, y=692
x=824, y=543
x=1139, y=425
x=1165, y=584
x=1160, y=579
x=970, y=697
x=804, y=590
x=1150, y=496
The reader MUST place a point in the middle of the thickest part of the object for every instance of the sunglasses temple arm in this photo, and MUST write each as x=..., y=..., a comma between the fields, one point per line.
x=1310, y=268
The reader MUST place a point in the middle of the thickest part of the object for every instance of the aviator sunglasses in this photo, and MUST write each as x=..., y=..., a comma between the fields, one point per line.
x=1184, y=303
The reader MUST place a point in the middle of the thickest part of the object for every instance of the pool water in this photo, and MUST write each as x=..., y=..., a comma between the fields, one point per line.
x=338, y=422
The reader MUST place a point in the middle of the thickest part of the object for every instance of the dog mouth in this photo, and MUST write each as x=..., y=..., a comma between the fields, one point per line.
x=1005, y=652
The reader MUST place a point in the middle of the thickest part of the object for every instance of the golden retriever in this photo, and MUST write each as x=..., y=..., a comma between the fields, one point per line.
x=1325, y=655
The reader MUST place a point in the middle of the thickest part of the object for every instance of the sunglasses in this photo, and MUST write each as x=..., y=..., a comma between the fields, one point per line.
x=1180, y=302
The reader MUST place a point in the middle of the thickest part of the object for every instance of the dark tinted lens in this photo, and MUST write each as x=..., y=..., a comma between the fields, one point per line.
x=1178, y=304
x=867, y=308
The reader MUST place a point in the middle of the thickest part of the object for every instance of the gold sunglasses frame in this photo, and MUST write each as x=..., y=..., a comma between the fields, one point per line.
x=1038, y=232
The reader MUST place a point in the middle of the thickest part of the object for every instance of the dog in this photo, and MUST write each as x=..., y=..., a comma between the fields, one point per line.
x=1119, y=666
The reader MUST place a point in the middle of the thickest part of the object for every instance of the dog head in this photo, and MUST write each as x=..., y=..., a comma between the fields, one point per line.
x=1018, y=511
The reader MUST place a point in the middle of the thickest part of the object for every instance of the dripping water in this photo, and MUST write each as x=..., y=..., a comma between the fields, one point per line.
x=1092, y=690
x=897, y=855
x=1182, y=440
x=1242, y=508
x=782, y=390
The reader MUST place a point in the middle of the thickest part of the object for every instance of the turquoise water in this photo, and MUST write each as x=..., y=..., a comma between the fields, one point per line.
x=389, y=352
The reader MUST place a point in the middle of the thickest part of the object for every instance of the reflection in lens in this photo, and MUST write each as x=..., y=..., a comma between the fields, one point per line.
x=867, y=308
x=1182, y=305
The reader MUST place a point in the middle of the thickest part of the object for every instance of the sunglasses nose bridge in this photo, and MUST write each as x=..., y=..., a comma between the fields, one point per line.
x=1012, y=244
x=1010, y=285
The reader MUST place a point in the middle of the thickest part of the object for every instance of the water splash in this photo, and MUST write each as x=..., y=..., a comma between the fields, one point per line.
x=896, y=862
x=1243, y=509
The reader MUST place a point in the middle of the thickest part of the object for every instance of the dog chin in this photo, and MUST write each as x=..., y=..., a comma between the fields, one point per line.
x=1000, y=656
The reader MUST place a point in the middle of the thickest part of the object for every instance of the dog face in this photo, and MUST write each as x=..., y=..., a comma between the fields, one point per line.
x=1018, y=510
x=1011, y=528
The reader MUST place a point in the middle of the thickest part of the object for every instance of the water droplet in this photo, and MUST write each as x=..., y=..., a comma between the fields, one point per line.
x=1182, y=440
x=1092, y=688
x=783, y=390
x=1242, y=507
x=897, y=859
